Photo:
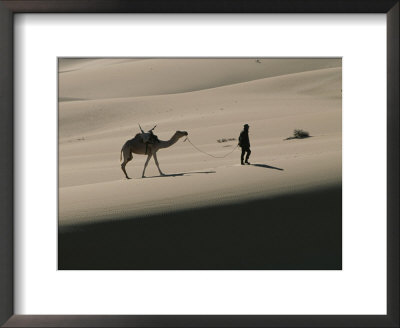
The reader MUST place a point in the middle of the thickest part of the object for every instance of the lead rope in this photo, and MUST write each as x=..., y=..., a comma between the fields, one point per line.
x=187, y=138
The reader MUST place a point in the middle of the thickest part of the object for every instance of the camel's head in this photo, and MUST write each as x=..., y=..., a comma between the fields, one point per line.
x=181, y=134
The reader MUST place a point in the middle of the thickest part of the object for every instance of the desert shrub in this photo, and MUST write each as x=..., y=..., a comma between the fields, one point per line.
x=226, y=139
x=299, y=134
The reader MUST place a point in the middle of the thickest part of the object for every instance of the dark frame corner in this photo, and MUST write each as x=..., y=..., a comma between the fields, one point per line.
x=10, y=7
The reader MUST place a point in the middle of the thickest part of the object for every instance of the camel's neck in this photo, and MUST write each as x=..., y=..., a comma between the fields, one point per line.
x=168, y=143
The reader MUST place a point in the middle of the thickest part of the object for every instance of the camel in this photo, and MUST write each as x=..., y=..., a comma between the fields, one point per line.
x=137, y=146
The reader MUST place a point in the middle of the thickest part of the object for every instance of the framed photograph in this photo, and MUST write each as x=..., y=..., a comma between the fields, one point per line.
x=209, y=164
x=204, y=121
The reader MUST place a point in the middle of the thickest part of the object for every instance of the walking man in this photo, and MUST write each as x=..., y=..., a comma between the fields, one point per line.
x=244, y=143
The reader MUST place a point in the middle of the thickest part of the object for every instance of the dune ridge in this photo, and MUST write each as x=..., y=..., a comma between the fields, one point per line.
x=151, y=77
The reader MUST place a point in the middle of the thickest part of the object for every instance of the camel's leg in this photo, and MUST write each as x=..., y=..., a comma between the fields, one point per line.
x=145, y=164
x=127, y=158
x=158, y=166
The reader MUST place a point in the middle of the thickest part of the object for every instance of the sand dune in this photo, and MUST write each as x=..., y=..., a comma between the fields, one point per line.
x=103, y=100
x=121, y=78
x=294, y=231
x=277, y=97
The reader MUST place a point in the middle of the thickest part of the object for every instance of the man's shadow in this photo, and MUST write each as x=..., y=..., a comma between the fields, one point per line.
x=180, y=174
x=267, y=167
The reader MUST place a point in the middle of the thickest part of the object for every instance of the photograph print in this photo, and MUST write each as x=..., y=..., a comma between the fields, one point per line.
x=199, y=163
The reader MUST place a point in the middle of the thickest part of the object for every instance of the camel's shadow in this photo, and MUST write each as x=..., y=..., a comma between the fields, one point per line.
x=267, y=167
x=179, y=174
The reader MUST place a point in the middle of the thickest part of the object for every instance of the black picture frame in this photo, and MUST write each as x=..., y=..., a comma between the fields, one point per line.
x=10, y=7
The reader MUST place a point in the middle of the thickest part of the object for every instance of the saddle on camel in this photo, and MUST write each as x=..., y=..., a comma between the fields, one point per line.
x=148, y=137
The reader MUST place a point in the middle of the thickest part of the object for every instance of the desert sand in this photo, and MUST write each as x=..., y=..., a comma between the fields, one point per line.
x=102, y=101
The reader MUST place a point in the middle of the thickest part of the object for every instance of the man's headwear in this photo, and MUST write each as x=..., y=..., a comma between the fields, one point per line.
x=246, y=126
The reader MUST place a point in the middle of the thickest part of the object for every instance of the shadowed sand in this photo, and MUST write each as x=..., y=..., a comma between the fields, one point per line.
x=292, y=232
x=196, y=212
